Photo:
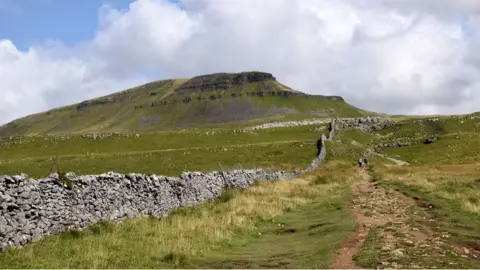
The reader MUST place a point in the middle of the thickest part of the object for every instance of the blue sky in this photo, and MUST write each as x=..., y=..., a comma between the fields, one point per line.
x=28, y=22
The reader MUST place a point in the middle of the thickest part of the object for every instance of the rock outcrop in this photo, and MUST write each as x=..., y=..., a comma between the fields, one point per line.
x=288, y=124
x=366, y=124
x=223, y=81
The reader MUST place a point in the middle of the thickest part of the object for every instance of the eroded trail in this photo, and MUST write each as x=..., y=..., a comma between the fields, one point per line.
x=401, y=239
x=371, y=206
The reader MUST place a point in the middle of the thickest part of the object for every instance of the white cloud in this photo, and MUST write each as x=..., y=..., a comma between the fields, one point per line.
x=394, y=56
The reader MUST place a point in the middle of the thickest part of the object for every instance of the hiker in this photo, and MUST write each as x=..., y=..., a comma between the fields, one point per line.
x=319, y=146
x=366, y=162
x=360, y=162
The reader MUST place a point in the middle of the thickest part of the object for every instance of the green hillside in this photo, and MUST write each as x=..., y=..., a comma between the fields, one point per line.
x=416, y=206
x=183, y=103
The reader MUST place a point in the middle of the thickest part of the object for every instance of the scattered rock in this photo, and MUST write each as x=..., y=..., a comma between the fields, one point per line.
x=397, y=252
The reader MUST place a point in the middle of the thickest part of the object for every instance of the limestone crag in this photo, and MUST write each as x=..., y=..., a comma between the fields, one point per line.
x=223, y=81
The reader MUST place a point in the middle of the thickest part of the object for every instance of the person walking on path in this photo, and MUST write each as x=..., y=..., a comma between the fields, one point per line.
x=365, y=161
x=360, y=162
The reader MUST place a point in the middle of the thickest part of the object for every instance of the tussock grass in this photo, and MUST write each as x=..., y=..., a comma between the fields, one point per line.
x=452, y=191
x=456, y=183
x=186, y=234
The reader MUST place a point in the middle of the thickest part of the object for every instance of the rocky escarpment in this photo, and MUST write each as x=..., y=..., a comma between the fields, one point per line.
x=121, y=97
x=33, y=208
x=223, y=81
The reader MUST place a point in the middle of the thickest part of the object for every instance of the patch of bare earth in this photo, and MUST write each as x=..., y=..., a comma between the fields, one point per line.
x=401, y=241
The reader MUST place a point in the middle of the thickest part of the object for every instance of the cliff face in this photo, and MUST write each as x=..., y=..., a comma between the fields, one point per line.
x=223, y=81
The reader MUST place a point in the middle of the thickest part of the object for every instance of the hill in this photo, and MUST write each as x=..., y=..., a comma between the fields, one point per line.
x=183, y=103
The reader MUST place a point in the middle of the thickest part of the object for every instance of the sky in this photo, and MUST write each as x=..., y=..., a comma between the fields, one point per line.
x=390, y=56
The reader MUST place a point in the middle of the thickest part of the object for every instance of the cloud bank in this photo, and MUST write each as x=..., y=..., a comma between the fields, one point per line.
x=392, y=56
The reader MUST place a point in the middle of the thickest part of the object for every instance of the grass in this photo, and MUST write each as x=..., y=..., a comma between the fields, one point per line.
x=450, y=149
x=452, y=191
x=289, y=224
x=369, y=254
x=355, y=135
x=167, y=153
x=282, y=155
x=68, y=144
x=203, y=235
x=302, y=238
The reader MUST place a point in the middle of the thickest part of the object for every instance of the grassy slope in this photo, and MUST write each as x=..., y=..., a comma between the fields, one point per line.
x=453, y=189
x=162, y=153
x=118, y=112
x=459, y=139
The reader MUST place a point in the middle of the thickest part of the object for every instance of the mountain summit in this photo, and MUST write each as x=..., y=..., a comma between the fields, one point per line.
x=182, y=103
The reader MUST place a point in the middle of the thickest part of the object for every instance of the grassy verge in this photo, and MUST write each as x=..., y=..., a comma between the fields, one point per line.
x=369, y=254
x=450, y=194
x=194, y=235
x=302, y=238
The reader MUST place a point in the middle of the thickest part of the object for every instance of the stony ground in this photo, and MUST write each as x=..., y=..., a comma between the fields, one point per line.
x=394, y=232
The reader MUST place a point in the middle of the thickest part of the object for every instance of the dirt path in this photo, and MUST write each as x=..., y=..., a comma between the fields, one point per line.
x=373, y=206
x=403, y=236
x=394, y=160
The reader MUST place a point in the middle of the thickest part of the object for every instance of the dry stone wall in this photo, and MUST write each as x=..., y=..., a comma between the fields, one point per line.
x=33, y=208
x=288, y=124
x=322, y=154
x=366, y=124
